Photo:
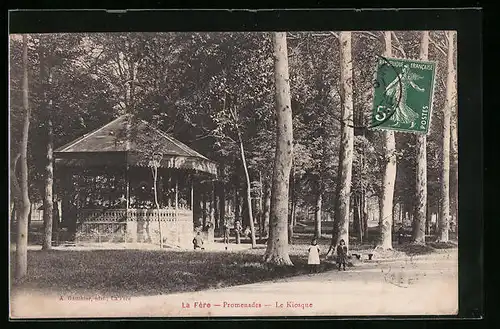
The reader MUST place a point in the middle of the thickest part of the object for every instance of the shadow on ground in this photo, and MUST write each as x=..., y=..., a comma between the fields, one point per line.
x=417, y=249
x=150, y=272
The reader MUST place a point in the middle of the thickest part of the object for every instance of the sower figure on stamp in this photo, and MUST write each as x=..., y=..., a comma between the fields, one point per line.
x=341, y=254
x=403, y=113
x=313, y=259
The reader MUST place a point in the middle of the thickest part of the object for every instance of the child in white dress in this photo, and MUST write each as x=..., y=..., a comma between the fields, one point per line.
x=313, y=259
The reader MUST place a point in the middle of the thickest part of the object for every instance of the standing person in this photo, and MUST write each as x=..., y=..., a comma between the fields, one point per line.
x=341, y=254
x=237, y=229
x=401, y=233
x=226, y=233
x=313, y=259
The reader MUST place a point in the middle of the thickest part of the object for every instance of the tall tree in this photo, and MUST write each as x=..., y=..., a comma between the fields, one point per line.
x=389, y=175
x=314, y=75
x=277, y=245
x=46, y=81
x=341, y=231
x=267, y=209
x=155, y=165
x=317, y=214
x=454, y=163
x=260, y=203
x=444, y=224
x=22, y=220
x=292, y=204
x=152, y=156
x=454, y=152
x=248, y=185
x=124, y=53
x=420, y=217
x=227, y=120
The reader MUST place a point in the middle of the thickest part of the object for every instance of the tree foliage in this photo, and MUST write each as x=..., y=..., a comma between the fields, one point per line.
x=207, y=89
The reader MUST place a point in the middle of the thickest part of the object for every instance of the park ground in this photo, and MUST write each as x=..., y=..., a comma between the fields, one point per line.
x=111, y=282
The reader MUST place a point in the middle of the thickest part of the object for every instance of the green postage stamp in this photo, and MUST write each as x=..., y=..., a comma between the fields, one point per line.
x=403, y=95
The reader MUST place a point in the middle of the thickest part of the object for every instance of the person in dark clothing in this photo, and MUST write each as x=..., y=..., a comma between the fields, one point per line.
x=341, y=254
x=401, y=234
x=226, y=233
x=198, y=242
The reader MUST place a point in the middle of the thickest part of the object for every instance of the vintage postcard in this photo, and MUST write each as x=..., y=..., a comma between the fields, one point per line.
x=233, y=174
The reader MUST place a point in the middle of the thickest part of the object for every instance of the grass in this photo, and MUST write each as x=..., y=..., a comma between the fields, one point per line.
x=443, y=245
x=150, y=272
x=153, y=272
x=414, y=249
x=410, y=249
x=301, y=241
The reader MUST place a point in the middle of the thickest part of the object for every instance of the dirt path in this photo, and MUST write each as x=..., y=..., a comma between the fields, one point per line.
x=426, y=285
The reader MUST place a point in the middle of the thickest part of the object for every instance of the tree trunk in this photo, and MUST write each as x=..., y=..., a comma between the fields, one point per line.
x=24, y=206
x=241, y=209
x=292, y=206
x=454, y=170
x=260, y=210
x=341, y=220
x=211, y=206
x=30, y=213
x=238, y=235
x=267, y=210
x=222, y=207
x=454, y=151
x=13, y=217
x=55, y=222
x=317, y=217
x=157, y=205
x=359, y=210
x=361, y=222
x=401, y=213
x=277, y=245
x=438, y=218
x=444, y=224
x=132, y=77
x=215, y=201
x=248, y=192
x=393, y=213
x=204, y=209
x=365, y=216
x=48, y=206
x=389, y=142
x=428, y=221
x=360, y=214
x=237, y=204
x=356, y=214
x=418, y=235
x=360, y=196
